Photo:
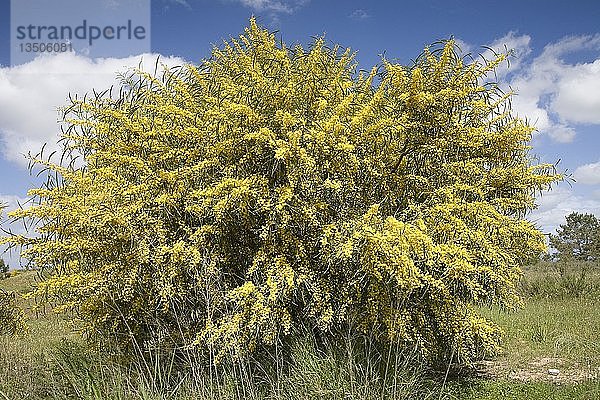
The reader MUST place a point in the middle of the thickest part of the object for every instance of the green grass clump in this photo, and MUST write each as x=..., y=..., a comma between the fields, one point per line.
x=558, y=333
x=510, y=390
x=53, y=362
x=556, y=329
x=561, y=280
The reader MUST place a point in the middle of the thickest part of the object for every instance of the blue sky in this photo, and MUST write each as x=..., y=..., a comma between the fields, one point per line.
x=556, y=74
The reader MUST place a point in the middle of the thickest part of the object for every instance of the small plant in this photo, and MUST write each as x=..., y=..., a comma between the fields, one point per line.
x=3, y=269
x=11, y=317
x=538, y=332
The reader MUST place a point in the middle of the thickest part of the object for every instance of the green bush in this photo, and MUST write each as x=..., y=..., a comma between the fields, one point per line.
x=561, y=279
x=578, y=239
x=3, y=269
x=272, y=189
x=11, y=317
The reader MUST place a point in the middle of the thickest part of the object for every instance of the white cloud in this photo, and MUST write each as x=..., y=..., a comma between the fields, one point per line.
x=556, y=204
x=274, y=6
x=552, y=93
x=588, y=174
x=183, y=3
x=578, y=94
x=560, y=133
x=570, y=44
x=464, y=47
x=9, y=203
x=359, y=14
x=30, y=95
x=517, y=45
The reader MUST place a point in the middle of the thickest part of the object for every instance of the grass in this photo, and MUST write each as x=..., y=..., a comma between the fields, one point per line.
x=52, y=362
x=18, y=281
x=559, y=327
x=562, y=329
x=561, y=280
x=511, y=390
x=23, y=359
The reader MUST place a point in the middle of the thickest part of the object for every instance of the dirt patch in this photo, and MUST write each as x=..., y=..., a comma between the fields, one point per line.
x=540, y=369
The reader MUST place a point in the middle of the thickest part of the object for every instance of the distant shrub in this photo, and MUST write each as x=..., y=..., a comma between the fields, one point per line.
x=11, y=317
x=561, y=279
x=3, y=269
x=578, y=239
x=272, y=187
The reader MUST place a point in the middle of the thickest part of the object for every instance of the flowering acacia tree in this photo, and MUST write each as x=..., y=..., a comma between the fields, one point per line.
x=272, y=187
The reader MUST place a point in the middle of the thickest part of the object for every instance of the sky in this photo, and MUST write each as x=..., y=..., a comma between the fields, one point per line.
x=555, y=71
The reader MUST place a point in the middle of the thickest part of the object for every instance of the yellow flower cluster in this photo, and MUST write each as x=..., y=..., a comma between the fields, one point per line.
x=270, y=187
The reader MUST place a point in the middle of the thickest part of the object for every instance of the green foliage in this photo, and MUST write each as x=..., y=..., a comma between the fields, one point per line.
x=3, y=269
x=578, y=239
x=11, y=317
x=273, y=188
x=562, y=330
x=42, y=366
x=510, y=390
x=561, y=280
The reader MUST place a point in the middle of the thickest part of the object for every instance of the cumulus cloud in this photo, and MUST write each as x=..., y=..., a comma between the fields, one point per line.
x=274, y=6
x=359, y=14
x=9, y=203
x=517, y=45
x=556, y=204
x=578, y=94
x=554, y=94
x=588, y=174
x=183, y=3
x=30, y=95
x=559, y=132
x=464, y=47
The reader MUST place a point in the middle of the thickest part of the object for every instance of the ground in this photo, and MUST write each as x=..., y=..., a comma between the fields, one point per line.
x=558, y=328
